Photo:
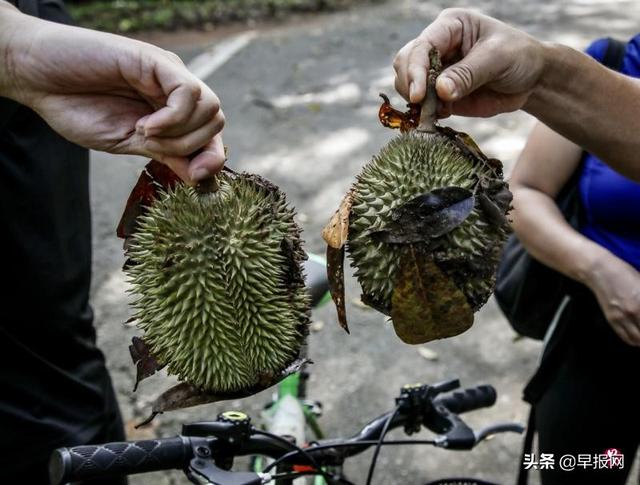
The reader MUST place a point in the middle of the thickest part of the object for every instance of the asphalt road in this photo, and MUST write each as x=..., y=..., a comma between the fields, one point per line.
x=301, y=101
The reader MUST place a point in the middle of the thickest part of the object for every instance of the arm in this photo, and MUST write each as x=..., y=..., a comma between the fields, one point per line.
x=546, y=163
x=493, y=68
x=110, y=93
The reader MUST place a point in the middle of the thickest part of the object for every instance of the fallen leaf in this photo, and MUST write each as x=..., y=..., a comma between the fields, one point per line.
x=428, y=354
x=426, y=304
x=427, y=216
x=146, y=364
x=335, y=274
x=336, y=231
x=185, y=395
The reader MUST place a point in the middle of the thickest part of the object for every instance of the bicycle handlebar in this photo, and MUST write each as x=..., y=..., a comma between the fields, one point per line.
x=116, y=459
x=205, y=440
x=469, y=399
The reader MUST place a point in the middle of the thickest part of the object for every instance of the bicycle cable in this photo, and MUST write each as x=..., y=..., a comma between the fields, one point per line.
x=354, y=444
x=374, y=459
x=296, y=449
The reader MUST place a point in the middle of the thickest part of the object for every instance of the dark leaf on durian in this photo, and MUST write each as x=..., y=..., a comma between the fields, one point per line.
x=468, y=146
x=426, y=304
x=427, y=216
x=146, y=364
x=336, y=232
x=494, y=214
x=335, y=273
x=185, y=395
x=155, y=176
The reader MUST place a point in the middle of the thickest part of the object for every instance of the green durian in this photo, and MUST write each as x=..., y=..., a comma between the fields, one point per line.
x=412, y=164
x=423, y=225
x=218, y=284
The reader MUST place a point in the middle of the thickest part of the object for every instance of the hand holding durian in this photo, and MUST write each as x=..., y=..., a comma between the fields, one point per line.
x=424, y=225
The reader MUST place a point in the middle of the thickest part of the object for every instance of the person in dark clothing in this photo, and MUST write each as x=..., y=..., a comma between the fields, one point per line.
x=54, y=387
x=589, y=403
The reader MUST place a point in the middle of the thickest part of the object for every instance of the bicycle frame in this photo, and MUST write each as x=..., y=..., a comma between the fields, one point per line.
x=289, y=413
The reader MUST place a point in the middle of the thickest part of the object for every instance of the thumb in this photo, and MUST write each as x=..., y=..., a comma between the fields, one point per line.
x=476, y=69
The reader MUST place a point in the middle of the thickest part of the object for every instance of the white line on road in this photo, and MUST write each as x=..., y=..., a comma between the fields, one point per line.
x=211, y=60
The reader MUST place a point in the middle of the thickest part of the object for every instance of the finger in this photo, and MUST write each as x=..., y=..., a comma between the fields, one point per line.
x=209, y=161
x=206, y=110
x=475, y=70
x=633, y=331
x=446, y=35
x=417, y=69
x=400, y=64
x=621, y=331
x=179, y=107
x=179, y=165
x=186, y=144
x=485, y=103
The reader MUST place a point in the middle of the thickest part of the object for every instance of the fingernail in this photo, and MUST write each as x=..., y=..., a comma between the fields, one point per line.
x=199, y=173
x=449, y=87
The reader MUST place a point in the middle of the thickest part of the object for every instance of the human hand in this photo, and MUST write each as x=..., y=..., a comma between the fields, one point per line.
x=490, y=68
x=113, y=94
x=616, y=285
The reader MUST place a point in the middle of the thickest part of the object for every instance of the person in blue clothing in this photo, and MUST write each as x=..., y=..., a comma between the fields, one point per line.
x=590, y=403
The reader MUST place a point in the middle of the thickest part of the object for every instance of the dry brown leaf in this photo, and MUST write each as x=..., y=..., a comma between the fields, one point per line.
x=426, y=304
x=335, y=273
x=336, y=232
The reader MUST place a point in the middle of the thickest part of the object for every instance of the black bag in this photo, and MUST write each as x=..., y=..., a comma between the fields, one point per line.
x=527, y=291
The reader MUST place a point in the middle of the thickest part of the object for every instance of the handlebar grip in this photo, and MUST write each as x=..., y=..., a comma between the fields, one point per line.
x=469, y=399
x=118, y=459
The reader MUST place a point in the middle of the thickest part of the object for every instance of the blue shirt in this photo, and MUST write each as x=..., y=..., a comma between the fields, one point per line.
x=611, y=201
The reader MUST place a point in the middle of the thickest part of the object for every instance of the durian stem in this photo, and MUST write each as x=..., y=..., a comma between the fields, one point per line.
x=208, y=186
x=428, y=115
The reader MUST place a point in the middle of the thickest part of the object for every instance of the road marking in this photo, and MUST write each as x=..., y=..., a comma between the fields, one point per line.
x=212, y=59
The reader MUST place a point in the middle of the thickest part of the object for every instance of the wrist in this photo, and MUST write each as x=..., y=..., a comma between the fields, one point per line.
x=12, y=48
x=596, y=264
x=551, y=79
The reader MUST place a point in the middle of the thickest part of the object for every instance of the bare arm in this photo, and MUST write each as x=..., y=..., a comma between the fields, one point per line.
x=493, y=68
x=110, y=93
x=545, y=165
x=595, y=107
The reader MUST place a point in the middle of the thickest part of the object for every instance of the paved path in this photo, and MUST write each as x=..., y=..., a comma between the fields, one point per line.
x=301, y=103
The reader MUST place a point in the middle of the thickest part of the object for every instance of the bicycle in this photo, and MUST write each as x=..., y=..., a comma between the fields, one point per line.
x=281, y=452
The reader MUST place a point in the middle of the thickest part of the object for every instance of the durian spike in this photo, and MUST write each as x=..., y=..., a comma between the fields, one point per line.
x=428, y=116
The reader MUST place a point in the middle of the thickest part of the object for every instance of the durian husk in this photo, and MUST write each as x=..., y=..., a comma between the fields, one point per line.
x=218, y=283
x=412, y=164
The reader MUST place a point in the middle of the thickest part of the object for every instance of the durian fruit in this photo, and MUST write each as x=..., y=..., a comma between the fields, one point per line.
x=423, y=225
x=412, y=164
x=218, y=283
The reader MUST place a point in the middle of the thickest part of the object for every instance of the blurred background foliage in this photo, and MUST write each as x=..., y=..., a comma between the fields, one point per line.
x=124, y=16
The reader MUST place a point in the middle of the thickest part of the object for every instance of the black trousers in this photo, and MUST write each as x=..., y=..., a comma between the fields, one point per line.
x=592, y=399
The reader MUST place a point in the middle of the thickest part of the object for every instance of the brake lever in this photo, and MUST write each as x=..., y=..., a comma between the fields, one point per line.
x=489, y=431
x=202, y=466
x=458, y=436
